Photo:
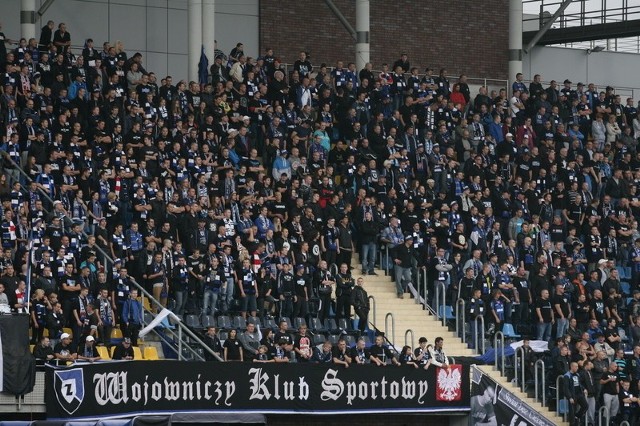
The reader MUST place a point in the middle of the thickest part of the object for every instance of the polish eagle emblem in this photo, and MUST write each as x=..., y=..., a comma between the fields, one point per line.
x=449, y=383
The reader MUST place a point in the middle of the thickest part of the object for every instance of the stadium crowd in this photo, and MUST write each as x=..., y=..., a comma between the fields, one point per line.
x=240, y=193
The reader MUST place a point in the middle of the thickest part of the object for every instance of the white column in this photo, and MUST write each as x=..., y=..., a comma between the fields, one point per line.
x=194, y=23
x=208, y=27
x=28, y=19
x=362, y=33
x=515, y=38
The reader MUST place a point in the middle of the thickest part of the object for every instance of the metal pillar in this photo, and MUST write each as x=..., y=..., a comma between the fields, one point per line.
x=362, y=33
x=28, y=19
x=515, y=38
x=208, y=28
x=194, y=19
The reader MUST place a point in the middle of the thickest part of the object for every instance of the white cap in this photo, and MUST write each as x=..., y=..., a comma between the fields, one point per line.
x=246, y=117
x=601, y=261
x=89, y=339
x=65, y=336
x=509, y=134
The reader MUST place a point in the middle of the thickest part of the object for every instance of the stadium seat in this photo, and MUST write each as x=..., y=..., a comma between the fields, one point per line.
x=46, y=332
x=31, y=348
x=297, y=322
x=627, y=272
x=67, y=330
x=116, y=336
x=145, y=303
x=316, y=326
x=621, y=272
x=287, y=320
x=103, y=352
x=253, y=320
x=222, y=335
x=623, y=334
x=350, y=340
x=625, y=287
x=447, y=312
x=319, y=339
x=193, y=321
x=509, y=332
x=269, y=323
x=224, y=322
x=207, y=321
x=239, y=322
x=330, y=325
x=151, y=353
x=137, y=353
x=334, y=339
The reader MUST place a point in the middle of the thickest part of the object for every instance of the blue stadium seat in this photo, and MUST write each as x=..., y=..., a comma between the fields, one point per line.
x=627, y=272
x=509, y=332
x=447, y=312
x=626, y=288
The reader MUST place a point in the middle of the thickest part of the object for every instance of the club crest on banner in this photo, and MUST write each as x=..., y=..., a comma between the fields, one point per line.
x=449, y=383
x=69, y=388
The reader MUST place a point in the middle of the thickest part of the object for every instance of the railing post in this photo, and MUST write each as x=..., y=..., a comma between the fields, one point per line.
x=462, y=302
x=386, y=253
x=393, y=328
x=540, y=363
x=372, y=302
x=495, y=349
x=179, y=343
x=424, y=287
x=558, y=387
x=604, y=410
x=520, y=359
x=480, y=319
x=413, y=342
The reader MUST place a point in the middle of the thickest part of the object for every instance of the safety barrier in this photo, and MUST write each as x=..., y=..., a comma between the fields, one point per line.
x=540, y=363
x=604, y=409
x=500, y=335
x=406, y=341
x=372, y=303
x=519, y=359
x=393, y=328
x=461, y=322
x=558, y=388
x=440, y=297
x=478, y=330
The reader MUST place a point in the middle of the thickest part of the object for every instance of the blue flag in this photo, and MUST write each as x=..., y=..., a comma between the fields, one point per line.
x=203, y=68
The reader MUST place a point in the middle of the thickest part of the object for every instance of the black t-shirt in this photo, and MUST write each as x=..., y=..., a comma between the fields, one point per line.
x=361, y=354
x=233, y=349
x=545, y=309
x=381, y=352
x=564, y=304
x=283, y=337
x=597, y=306
x=610, y=387
x=337, y=353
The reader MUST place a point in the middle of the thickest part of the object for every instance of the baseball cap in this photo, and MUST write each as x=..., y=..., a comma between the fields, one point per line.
x=89, y=339
x=65, y=336
x=126, y=340
x=408, y=237
x=509, y=135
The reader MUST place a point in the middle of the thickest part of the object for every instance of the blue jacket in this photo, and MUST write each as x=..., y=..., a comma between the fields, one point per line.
x=132, y=312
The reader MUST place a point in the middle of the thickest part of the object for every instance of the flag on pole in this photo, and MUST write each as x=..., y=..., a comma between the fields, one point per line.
x=203, y=68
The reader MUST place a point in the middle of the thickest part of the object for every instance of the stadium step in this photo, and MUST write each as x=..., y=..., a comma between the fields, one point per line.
x=531, y=402
x=407, y=315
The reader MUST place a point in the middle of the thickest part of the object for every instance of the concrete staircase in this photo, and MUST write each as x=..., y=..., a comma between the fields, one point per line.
x=407, y=315
x=531, y=402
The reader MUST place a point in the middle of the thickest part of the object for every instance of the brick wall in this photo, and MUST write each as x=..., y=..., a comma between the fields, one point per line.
x=472, y=38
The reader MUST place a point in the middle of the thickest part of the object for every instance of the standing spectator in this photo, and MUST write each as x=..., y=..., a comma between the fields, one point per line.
x=404, y=257
x=575, y=393
x=611, y=389
x=360, y=302
x=545, y=316
x=132, y=316
x=62, y=39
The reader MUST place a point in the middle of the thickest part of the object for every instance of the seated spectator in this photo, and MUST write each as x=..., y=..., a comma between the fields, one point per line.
x=43, y=351
x=123, y=351
x=88, y=351
x=380, y=354
x=64, y=351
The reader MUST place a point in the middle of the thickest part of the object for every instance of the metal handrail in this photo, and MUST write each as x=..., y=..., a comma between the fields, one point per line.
x=544, y=387
x=386, y=253
x=393, y=328
x=441, y=296
x=406, y=341
x=624, y=423
x=372, y=303
x=564, y=415
x=424, y=287
x=604, y=410
x=495, y=348
x=135, y=283
x=462, y=302
x=519, y=350
x=452, y=360
x=333, y=268
x=479, y=318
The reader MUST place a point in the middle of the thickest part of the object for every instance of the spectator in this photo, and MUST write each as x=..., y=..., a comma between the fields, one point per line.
x=123, y=351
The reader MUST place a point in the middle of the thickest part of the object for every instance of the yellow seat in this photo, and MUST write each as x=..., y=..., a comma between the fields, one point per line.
x=116, y=333
x=151, y=353
x=137, y=353
x=67, y=330
x=145, y=303
x=46, y=332
x=31, y=348
x=103, y=352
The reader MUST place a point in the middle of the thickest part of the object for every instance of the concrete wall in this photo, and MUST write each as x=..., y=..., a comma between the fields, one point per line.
x=602, y=68
x=155, y=28
x=465, y=36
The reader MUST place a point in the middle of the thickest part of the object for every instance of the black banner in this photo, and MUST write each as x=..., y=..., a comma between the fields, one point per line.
x=492, y=404
x=120, y=389
x=18, y=367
